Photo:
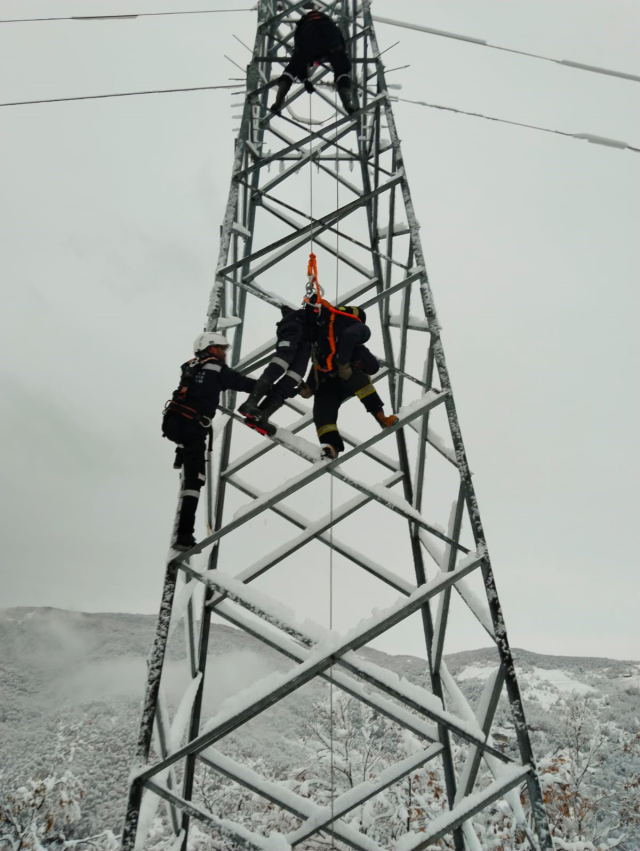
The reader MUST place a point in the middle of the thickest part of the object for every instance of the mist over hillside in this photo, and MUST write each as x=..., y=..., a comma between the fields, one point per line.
x=71, y=686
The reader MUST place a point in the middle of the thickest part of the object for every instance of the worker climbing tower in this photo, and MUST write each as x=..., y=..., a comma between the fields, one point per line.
x=318, y=558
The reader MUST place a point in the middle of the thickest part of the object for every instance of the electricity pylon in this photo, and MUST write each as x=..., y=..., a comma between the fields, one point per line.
x=318, y=177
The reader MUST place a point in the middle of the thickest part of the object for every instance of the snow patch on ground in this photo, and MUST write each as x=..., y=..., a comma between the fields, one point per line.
x=471, y=672
x=562, y=681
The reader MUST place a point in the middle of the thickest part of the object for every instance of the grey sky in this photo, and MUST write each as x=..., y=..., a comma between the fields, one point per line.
x=110, y=214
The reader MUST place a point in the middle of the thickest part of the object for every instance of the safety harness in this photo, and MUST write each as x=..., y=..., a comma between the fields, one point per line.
x=176, y=404
x=313, y=287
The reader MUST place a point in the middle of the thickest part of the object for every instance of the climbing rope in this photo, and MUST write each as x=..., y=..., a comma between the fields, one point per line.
x=335, y=301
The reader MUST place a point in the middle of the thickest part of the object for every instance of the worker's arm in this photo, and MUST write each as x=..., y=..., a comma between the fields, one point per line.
x=232, y=380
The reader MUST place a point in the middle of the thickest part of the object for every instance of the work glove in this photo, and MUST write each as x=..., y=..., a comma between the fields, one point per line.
x=304, y=390
x=308, y=87
x=345, y=371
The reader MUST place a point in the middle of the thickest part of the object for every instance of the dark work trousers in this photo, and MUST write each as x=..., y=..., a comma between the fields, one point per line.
x=286, y=373
x=331, y=393
x=191, y=439
x=313, y=51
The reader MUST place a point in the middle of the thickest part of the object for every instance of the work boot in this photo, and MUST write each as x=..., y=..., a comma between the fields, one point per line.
x=329, y=452
x=268, y=407
x=346, y=98
x=183, y=542
x=284, y=84
x=250, y=407
x=385, y=422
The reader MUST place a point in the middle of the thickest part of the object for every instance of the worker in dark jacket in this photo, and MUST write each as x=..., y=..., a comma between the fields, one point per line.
x=341, y=368
x=187, y=421
x=316, y=39
x=283, y=375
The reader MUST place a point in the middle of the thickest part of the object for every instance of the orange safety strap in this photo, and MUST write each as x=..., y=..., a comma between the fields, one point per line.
x=312, y=273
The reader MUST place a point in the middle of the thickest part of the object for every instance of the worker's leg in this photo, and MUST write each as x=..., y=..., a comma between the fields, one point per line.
x=359, y=385
x=325, y=415
x=193, y=456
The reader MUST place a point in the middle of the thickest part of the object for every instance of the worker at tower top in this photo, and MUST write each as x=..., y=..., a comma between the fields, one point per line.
x=316, y=39
x=187, y=421
x=341, y=368
x=283, y=375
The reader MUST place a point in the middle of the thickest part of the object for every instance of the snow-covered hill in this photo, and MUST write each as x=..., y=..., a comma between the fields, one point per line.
x=72, y=684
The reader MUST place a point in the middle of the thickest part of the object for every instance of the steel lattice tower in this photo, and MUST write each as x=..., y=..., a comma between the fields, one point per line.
x=340, y=181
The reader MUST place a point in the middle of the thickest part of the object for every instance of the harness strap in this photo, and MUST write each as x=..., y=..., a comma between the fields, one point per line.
x=194, y=366
x=312, y=274
x=187, y=412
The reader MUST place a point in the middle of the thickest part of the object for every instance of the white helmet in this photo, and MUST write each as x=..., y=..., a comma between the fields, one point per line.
x=209, y=338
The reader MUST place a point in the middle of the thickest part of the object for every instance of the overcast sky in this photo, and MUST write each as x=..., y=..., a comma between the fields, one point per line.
x=108, y=239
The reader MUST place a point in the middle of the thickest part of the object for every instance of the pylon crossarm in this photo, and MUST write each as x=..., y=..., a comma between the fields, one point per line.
x=511, y=776
x=395, y=712
x=363, y=792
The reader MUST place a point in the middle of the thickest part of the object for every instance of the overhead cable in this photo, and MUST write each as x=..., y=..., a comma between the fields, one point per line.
x=119, y=95
x=588, y=137
x=123, y=17
x=567, y=62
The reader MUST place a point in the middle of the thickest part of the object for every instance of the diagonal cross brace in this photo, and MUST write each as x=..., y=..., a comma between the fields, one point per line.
x=311, y=137
x=348, y=684
x=430, y=400
x=369, y=789
x=229, y=829
x=313, y=531
x=292, y=241
x=314, y=666
x=382, y=573
x=471, y=805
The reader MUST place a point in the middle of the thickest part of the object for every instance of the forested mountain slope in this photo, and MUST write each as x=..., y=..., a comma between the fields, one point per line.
x=71, y=685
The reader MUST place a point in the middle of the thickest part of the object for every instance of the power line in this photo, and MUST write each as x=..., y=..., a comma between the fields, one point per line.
x=123, y=17
x=588, y=137
x=580, y=66
x=120, y=95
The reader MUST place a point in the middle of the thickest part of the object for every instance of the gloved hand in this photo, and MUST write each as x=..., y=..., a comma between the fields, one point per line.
x=308, y=87
x=345, y=371
x=304, y=390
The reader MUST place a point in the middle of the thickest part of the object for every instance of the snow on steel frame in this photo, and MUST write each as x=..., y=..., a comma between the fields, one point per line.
x=355, y=140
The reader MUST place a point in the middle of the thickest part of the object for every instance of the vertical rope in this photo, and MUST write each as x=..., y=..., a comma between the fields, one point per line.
x=335, y=301
x=310, y=172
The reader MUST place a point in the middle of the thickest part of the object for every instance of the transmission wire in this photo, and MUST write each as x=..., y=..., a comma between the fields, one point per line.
x=121, y=17
x=119, y=95
x=568, y=63
x=597, y=140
